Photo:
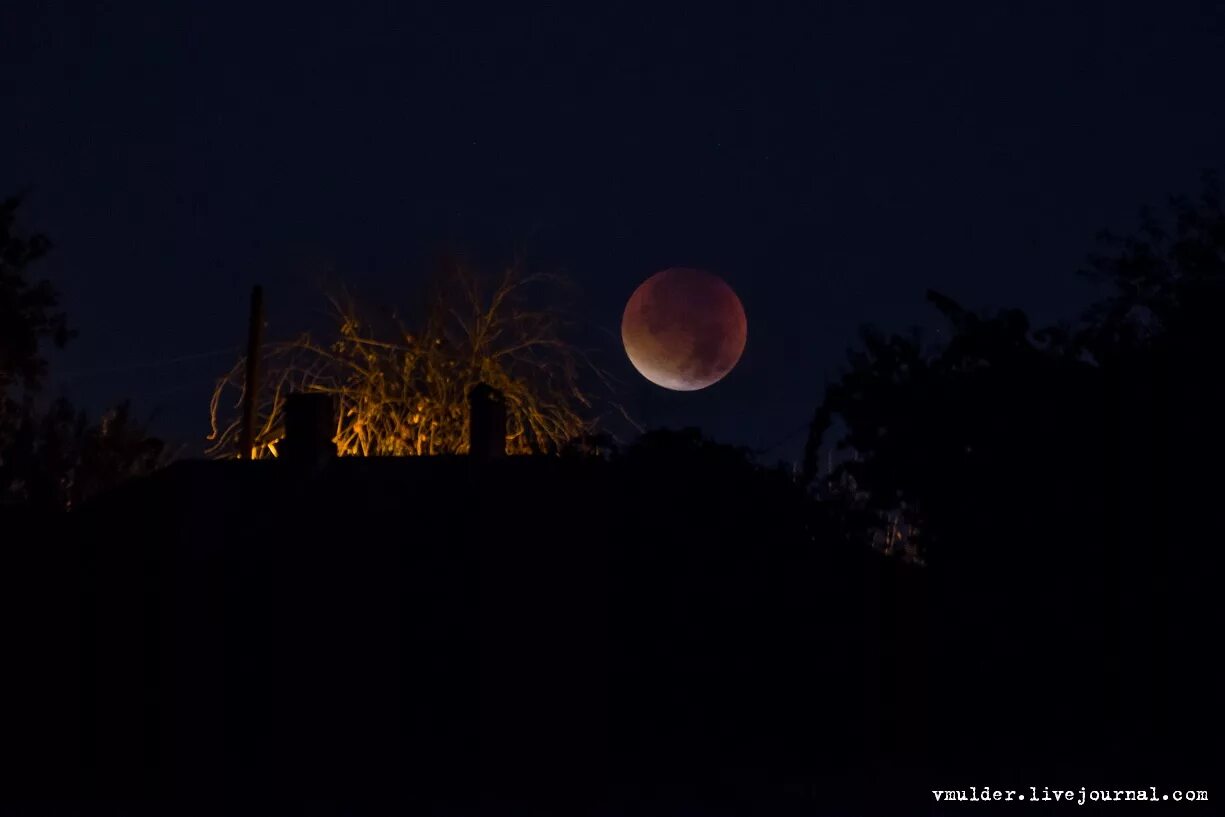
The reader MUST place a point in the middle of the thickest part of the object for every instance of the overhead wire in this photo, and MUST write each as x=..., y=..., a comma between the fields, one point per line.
x=155, y=364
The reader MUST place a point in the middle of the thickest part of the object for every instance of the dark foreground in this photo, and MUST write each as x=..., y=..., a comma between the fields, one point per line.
x=566, y=637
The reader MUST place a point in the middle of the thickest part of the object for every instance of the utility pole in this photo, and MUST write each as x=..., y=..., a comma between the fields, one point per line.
x=246, y=441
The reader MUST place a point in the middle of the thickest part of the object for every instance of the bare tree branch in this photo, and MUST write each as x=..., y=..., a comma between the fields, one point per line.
x=407, y=395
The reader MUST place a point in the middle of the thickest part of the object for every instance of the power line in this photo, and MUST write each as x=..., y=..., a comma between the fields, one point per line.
x=157, y=364
x=180, y=389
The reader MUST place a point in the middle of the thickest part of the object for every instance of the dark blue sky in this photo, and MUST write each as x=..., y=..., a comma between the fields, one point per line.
x=831, y=160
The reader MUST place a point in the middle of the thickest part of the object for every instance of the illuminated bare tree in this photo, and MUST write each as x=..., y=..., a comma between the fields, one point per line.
x=403, y=392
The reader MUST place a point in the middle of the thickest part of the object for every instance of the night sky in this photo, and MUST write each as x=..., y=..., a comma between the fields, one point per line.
x=830, y=160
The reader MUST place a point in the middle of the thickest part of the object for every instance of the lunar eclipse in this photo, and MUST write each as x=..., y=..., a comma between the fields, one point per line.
x=684, y=329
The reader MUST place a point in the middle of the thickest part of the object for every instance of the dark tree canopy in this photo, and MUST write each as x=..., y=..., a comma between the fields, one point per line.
x=1168, y=280
x=29, y=308
x=51, y=457
x=1061, y=485
x=1003, y=414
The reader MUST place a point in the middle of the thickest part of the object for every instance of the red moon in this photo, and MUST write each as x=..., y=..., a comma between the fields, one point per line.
x=684, y=329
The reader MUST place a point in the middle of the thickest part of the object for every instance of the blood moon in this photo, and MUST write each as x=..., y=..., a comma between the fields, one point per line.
x=684, y=329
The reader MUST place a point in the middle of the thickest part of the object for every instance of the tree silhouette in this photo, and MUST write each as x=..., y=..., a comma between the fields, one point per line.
x=1060, y=483
x=1168, y=279
x=29, y=308
x=934, y=429
x=58, y=459
x=52, y=457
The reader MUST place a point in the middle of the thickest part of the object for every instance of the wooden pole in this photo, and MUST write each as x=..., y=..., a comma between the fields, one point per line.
x=246, y=442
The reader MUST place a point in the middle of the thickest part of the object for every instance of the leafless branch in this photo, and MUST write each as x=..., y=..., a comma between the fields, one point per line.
x=407, y=395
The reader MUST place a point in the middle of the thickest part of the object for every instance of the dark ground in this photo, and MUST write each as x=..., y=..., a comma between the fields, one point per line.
x=558, y=637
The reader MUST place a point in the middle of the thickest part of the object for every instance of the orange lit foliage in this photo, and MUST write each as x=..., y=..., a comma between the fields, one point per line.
x=403, y=392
